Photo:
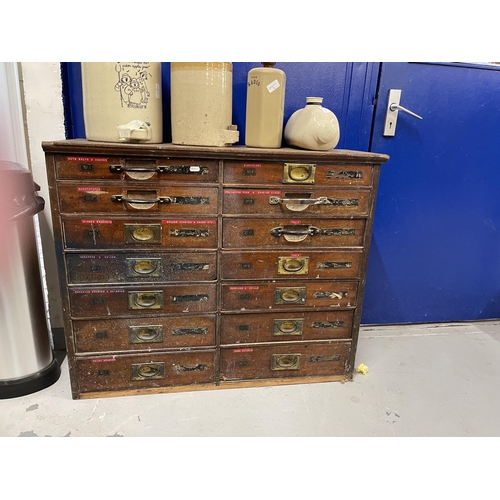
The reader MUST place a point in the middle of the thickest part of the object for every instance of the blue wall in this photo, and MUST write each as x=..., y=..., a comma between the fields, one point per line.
x=348, y=89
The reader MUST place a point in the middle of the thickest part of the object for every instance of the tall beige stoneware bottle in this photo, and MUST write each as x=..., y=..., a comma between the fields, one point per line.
x=265, y=107
x=202, y=103
x=122, y=101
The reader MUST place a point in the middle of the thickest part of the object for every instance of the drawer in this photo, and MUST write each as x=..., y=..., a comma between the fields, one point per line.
x=295, y=173
x=137, y=301
x=141, y=267
x=136, y=169
x=279, y=327
x=118, y=233
x=144, y=333
x=116, y=199
x=286, y=233
x=288, y=202
x=284, y=360
x=306, y=264
x=290, y=295
x=145, y=371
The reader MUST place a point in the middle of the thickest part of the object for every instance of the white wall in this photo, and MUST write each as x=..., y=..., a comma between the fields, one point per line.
x=12, y=136
x=41, y=92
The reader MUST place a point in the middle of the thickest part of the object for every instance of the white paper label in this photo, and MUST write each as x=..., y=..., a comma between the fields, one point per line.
x=273, y=86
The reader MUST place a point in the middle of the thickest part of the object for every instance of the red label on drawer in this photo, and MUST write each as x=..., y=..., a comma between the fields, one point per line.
x=188, y=221
x=250, y=191
x=84, y=158
x=243, y=288
x=89, y=189
x=107, y=360
x=252, y=165
x=96, y=291
x=93, y=257
x=242, y=350
x=96, y=221
x=295, y=222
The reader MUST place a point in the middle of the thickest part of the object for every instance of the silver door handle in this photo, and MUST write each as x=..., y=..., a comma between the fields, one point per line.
x=396, y=107
x=392, y=111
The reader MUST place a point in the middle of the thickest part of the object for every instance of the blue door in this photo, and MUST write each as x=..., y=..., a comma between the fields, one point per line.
x=435, y=254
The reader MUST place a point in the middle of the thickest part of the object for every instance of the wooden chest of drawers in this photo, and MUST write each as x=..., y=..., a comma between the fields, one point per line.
x=185, y=268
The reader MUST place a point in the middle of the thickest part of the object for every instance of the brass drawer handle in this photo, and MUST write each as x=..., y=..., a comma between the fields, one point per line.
x=145, y=266
x=285, y=362
x=140, y=334
x=290, y=295
x=304, y=173
x=122, y=199
x=148, y=371
x=288, y=327
x=146, y=300
x=275, y=200
x=119, y=168
x=296, y=295
x=295, y=233
x=142, y=233
x=293, y=265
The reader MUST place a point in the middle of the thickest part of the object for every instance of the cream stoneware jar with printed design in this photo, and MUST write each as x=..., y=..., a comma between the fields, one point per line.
x=313, y=127
x=122, y=101
x=202, y=104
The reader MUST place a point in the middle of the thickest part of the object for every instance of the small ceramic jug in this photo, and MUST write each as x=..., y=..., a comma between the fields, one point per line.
x=313, y=127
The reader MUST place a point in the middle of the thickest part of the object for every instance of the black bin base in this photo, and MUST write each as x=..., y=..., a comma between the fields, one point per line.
x=32, y=383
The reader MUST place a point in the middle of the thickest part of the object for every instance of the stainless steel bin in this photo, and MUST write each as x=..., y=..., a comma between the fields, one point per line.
x=27, y=362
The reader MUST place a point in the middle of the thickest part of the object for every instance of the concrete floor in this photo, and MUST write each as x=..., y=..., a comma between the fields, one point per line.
x=423, y=380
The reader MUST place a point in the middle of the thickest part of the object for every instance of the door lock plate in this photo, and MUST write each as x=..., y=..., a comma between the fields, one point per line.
x=391, y=117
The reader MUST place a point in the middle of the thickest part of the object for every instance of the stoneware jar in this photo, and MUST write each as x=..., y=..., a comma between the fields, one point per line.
x=202, y=103
x=313, y=127
x=265, y=107
x=122, y=101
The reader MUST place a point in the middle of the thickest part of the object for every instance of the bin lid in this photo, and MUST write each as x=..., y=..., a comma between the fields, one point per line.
x=18, y=197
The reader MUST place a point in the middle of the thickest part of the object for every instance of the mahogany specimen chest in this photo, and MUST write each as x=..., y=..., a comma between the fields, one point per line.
x=185, y=268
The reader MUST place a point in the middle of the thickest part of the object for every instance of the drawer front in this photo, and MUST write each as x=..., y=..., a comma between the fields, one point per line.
x=280, y=265
x=288, y=296
x=146, y=300
x=295, y=173
x=284, y=360
x=136, y=169
x=293, y=202
x=141, y=267
x=146, y=370
x=75, y=198
x=113, y=233
x=250, y=328
x=238, y=233
x=147, y=334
